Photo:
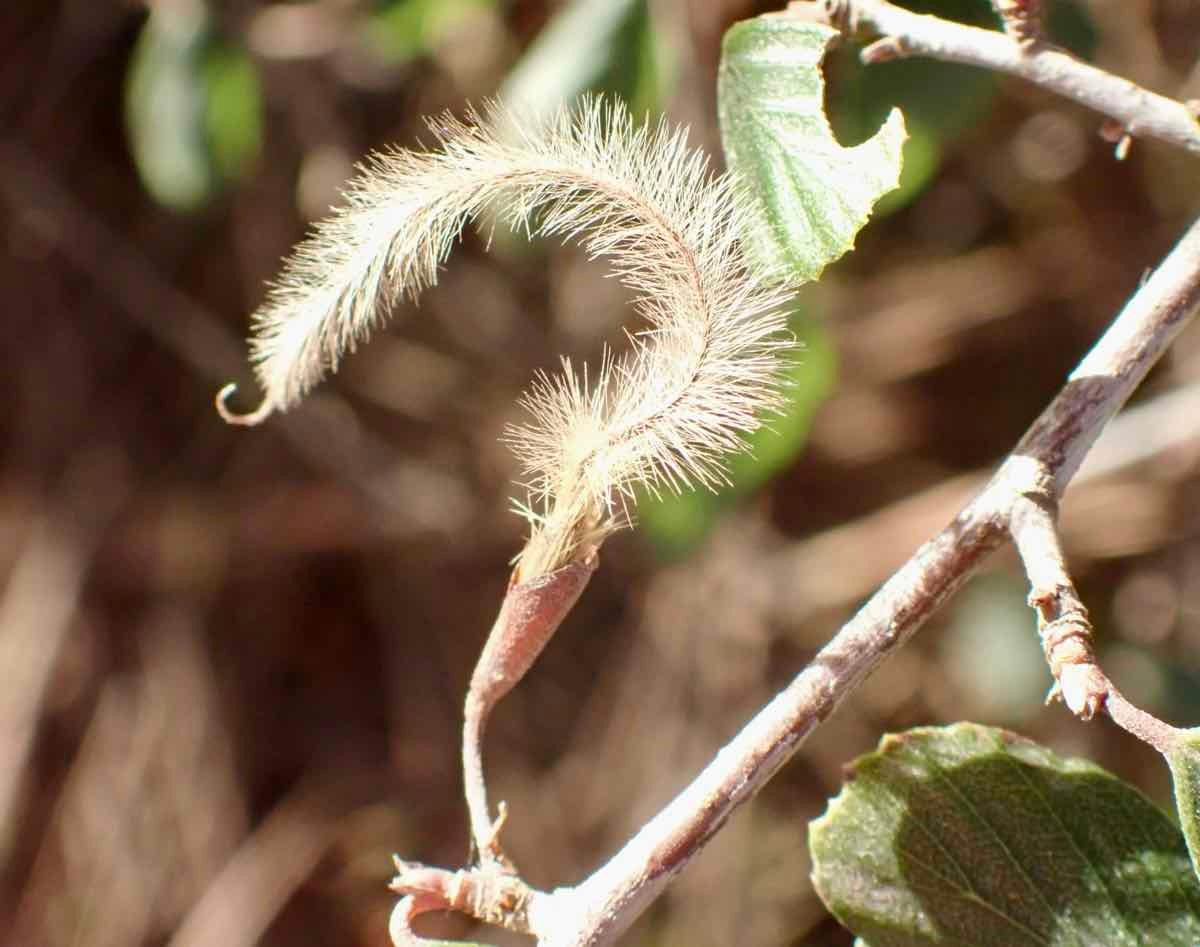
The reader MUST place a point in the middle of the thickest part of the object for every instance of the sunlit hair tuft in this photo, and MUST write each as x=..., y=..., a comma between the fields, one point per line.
x=663, y=414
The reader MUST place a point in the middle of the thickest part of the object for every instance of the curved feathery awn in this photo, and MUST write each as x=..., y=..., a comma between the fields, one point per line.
x=666, y=412
x=663, y=414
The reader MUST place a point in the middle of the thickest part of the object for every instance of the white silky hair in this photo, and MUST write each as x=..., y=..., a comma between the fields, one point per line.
x=664, y=413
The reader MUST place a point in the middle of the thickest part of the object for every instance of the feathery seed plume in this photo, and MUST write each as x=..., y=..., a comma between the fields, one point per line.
x=666, y=412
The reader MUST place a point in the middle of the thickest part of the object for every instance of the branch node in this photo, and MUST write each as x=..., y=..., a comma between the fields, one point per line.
x=1066, y=642
x=885, y=50
x=1084, y=689
x=1033, y=479
x=1044, y=601
x=1022, y=21
x=490, y=893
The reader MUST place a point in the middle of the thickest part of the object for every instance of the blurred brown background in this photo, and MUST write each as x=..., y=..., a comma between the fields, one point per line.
x=232, y=662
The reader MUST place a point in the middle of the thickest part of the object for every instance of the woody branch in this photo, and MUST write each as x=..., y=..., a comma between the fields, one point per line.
x=900, y=33
x=1037, y=471
x=1018, y=501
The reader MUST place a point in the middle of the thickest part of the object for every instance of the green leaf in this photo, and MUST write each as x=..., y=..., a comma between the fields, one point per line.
x=941, y=101
x=403, y=30
x=193, y=110
x=642, y=70
x=164, y=106
x=606, y=46
x=1184, y=760
x=677, y=522
x=970, y=835
x=813, y=195
x=233, y=120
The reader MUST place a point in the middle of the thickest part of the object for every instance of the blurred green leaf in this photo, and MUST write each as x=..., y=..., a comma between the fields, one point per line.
x=939, y=100
x=809, y=379
x=234, y=120
x=676, y=523
x=606, y=46
x=970, y=835
x=1184, y=760
x=193, y=109
x=1069, y=25
x=404, y=30
x=813, y=195
x=603, y=46
x=922, y=159
x=641, y=70
x=164, y=106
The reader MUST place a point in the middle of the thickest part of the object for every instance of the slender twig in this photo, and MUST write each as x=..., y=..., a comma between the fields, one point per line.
x=1066, y=630
x=605, y=904
x=1019, y=501
x=1140, y=112
x=863, y=552
x=1063, y=621
x=1042, y=464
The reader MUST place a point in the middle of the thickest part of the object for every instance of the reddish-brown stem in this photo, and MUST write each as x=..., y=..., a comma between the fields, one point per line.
x=529, y=616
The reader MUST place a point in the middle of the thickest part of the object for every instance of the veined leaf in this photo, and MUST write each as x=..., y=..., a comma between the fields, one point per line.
x=970, y=835
x=814, y=195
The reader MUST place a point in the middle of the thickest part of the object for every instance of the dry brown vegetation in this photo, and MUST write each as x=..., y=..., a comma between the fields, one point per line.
x=232, y=663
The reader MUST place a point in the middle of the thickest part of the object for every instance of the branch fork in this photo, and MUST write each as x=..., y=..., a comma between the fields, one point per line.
x=1019, y=51
x=488, y=893
x=1020, y=503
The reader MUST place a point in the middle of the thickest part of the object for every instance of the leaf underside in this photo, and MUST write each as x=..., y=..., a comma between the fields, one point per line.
x=813, y=194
